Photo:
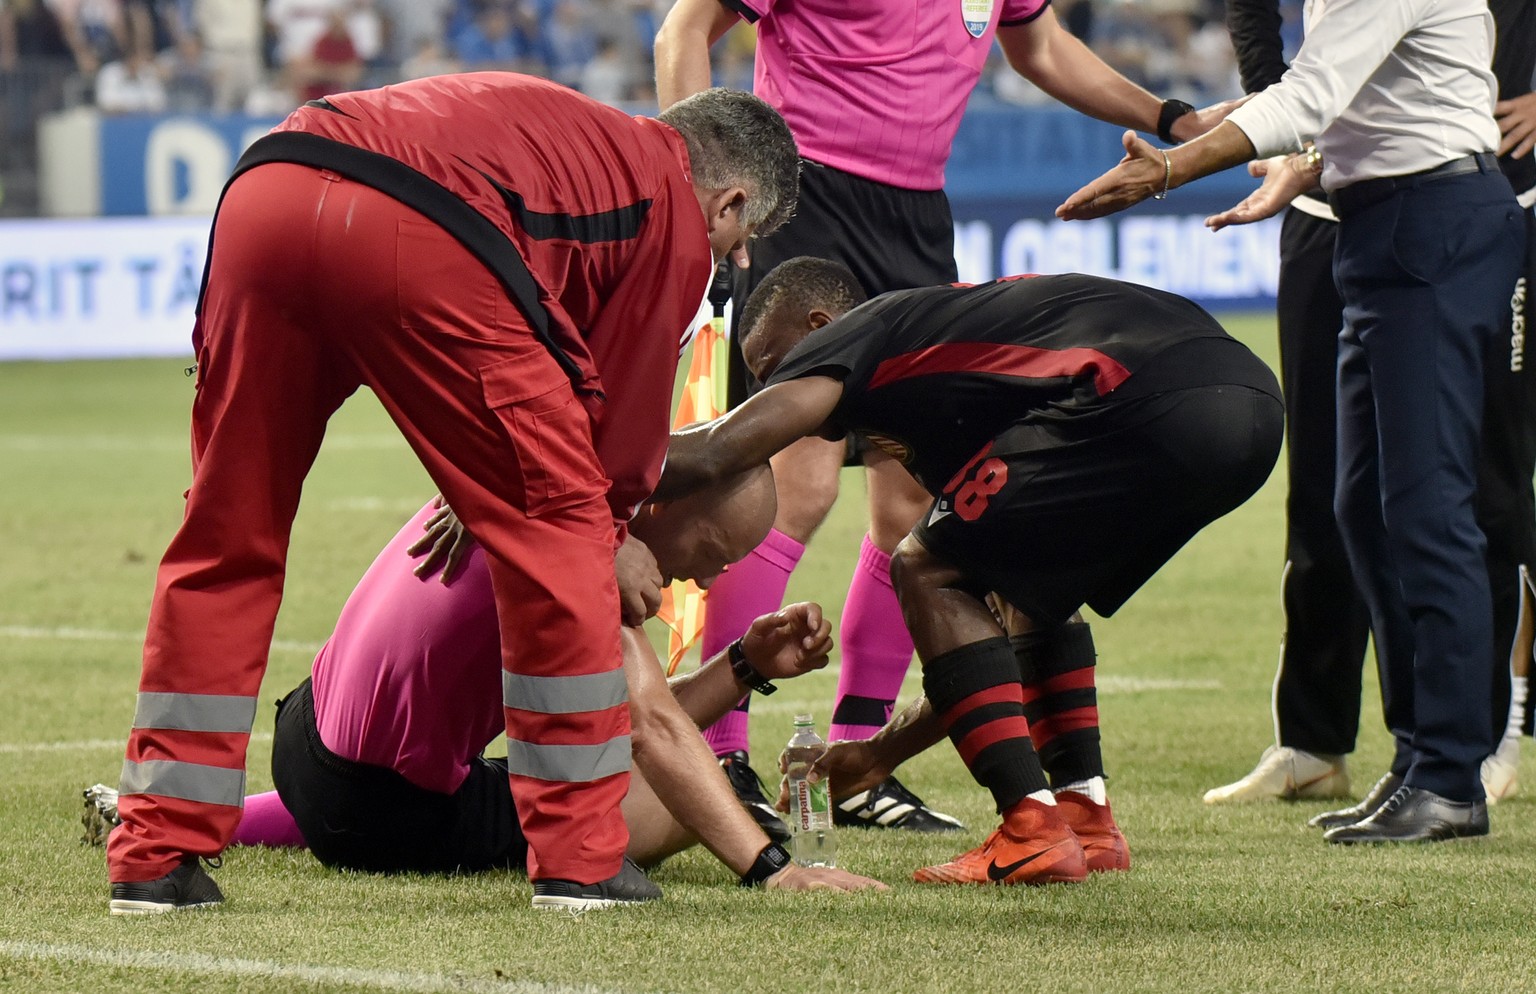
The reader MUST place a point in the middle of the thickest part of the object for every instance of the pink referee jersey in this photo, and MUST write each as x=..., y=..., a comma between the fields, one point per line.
x=411, y=678
x=876, y=87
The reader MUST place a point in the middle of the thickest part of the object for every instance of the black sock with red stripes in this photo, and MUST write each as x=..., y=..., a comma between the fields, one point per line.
x=1061, y=700
x=975, y=691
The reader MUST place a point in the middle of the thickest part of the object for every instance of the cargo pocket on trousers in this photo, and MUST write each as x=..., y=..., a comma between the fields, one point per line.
x=549, y=431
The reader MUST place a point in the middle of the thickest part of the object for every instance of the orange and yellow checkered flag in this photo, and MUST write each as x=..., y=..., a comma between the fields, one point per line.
x=682, y=603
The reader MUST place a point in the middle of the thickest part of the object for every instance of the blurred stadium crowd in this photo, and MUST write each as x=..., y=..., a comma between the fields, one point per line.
x=264, y=57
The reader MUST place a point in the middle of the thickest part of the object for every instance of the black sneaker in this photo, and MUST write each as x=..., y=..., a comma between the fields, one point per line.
x=187, y=886
x=629, y=886
x=890, y=805
x=749, y=791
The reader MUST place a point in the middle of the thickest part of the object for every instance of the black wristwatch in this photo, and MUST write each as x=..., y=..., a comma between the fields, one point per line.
x=771, y=860
x=744, y=671
x=1172, y=111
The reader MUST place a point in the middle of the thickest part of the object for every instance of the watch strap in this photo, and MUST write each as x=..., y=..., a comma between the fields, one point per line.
x=744, y=670
x=771, y=860
x=1171, y=111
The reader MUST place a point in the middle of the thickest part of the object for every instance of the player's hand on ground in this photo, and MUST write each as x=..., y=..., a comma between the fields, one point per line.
x=444, y=540
x=639, y=581
x=793, y=640
x=853, y=765
x=1517, y=124
x=1141, y=174
x=794, y=877
x=1285, y=177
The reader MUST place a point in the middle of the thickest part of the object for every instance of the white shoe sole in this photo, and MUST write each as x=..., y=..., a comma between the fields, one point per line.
x=548, y=902
x=120, y=907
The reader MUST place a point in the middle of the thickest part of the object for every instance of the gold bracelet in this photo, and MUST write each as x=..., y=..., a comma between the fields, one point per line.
x=1167, y=176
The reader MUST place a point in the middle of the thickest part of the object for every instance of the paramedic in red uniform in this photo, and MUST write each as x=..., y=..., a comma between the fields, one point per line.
x=509, y=266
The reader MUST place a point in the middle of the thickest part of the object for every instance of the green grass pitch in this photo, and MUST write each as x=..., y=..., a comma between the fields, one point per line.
x=93, y=458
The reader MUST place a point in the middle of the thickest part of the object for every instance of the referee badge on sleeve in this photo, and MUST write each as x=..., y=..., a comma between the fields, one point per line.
x=977, y=15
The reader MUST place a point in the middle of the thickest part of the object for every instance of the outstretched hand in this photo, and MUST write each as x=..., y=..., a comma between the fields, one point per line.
x=794, y=877
x=1141, y=174
x=1284, y=179
x=444, y=541
x=793, y=640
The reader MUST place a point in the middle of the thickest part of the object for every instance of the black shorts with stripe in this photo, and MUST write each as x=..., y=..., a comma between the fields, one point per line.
x=362, y=817
x=1056, y=513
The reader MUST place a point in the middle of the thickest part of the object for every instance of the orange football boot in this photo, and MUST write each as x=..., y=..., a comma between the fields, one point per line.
x=1034, y=845
x=1095, y=828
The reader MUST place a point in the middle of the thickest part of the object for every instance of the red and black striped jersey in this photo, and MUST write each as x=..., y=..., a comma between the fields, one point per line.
x=931, y=375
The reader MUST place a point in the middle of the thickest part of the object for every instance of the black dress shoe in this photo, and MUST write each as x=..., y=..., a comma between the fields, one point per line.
x=1373, y=799
x=1412, y=814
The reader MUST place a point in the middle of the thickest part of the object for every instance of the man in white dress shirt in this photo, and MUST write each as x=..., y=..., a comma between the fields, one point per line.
x=1390, y=107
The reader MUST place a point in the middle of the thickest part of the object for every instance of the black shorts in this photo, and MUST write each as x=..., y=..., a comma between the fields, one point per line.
x=891, y=238
x=356, y=816
x=1062, y=511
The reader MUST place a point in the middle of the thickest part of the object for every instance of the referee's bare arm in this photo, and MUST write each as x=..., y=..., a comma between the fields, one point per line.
x=682, y=47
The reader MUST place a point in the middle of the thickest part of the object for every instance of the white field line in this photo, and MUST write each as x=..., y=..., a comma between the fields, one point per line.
x=86, y=745
x=67, y=443
x=1108, y=683
x=403, y=506
x=228, y=966
x=66, y=633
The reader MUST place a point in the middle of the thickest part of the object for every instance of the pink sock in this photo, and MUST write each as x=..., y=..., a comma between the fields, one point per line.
x=266, y=822
x=877, y=650
x=752, y=587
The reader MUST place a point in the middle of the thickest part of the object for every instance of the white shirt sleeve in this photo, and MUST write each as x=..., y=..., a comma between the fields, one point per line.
x=1346, y=41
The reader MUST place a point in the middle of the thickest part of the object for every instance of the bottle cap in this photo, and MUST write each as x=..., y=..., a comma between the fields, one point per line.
x=804, y=719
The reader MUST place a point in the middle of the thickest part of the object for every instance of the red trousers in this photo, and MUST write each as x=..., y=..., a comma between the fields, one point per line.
x=318, y=285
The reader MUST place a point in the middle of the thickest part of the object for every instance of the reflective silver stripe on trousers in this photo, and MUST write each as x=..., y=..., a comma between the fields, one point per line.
x=568, y=763
x=189, y=781
x=564, y=694
x=195, y=712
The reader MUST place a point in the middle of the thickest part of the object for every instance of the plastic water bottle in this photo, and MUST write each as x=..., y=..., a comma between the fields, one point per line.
x=810, y=806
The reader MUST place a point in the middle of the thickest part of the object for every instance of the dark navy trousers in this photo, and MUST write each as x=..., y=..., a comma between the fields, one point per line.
x=1425, y=276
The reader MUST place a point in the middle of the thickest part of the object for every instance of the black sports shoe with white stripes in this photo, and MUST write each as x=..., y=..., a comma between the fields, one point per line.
x=890, y=805
x=187, y=886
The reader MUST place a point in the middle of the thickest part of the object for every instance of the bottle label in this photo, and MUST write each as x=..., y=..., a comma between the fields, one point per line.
x=812, y=800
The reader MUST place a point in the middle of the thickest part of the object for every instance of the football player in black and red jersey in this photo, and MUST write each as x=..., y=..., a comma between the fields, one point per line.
x=1075, y=432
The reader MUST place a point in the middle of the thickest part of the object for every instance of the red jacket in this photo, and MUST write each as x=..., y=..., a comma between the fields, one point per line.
x=600, y=206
